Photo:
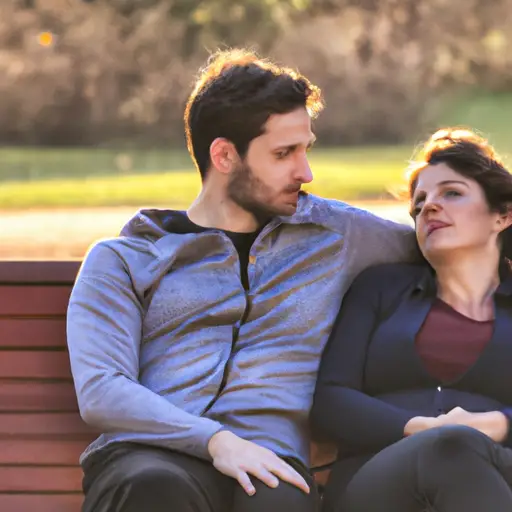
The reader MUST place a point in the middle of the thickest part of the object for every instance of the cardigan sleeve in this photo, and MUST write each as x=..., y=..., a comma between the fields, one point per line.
x=342, y=413
x=507, y=412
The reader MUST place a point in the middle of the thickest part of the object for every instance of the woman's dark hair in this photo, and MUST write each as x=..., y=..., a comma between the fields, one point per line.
x=473, y=157
x=234, y=96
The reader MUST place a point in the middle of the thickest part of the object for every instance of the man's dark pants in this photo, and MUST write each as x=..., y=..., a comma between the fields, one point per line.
x=127, y=477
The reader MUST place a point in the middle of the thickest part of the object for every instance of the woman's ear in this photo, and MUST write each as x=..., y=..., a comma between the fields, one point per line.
x=504, y=221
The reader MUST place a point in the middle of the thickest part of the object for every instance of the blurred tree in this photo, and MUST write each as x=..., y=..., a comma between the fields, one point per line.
x=209, y=22
x=233, y=23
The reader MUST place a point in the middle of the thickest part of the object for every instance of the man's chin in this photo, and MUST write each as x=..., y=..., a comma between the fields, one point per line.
x=287, y=209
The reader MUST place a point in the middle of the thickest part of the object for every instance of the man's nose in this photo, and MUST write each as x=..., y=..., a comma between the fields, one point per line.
x=304, y=173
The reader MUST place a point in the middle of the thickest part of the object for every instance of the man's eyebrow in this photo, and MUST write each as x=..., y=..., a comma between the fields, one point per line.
x=286, y=146
x=295, y=145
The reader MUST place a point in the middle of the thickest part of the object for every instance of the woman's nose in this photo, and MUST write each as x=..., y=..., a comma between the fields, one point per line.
x=431, y=206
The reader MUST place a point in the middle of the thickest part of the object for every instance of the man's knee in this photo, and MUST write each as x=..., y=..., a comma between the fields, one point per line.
x=158, y=482
x=285, y=497
x=156, y=489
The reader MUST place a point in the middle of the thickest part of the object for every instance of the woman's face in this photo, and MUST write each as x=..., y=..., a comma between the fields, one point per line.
x=451, y=213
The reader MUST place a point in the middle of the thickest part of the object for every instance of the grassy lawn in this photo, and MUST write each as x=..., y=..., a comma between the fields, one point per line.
x=352, y=173
x=41, y=177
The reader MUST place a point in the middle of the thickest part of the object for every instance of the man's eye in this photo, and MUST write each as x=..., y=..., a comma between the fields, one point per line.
x=282, y=154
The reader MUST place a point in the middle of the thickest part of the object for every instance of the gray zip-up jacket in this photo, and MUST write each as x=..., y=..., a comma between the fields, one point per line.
x=167, y=348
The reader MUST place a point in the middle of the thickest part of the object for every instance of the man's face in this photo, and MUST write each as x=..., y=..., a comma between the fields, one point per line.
x=268, y=181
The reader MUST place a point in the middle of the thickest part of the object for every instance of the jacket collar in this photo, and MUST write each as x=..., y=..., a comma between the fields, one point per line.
x=427, y=280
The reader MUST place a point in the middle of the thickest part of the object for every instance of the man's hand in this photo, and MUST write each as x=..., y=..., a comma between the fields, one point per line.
x=238, y=458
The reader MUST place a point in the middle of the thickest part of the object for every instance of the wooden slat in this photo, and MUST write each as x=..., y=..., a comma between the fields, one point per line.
x=62, y=272
x=40, y=479
x=322, y=454
x=40, y=502
x=27, y=424
x=322, y=477
x=33, y=332
x=34, y=364
x=33, y=300
x=47, y=452
x=37, y=396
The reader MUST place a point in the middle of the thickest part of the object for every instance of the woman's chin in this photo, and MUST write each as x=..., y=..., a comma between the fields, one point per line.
x=435, y=249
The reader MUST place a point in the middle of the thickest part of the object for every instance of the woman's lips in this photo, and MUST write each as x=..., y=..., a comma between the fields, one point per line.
x=435, y=225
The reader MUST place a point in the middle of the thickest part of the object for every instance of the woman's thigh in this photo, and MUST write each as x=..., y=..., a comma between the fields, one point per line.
x=409, y=474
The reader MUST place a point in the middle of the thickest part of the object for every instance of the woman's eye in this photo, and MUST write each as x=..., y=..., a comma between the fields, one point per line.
x=416, y=211
x=452, y=193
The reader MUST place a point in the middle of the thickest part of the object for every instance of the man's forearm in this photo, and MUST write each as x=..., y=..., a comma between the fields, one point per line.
x=121, y=405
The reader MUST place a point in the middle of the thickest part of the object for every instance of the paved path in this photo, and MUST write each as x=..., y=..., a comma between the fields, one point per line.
x=68, y=233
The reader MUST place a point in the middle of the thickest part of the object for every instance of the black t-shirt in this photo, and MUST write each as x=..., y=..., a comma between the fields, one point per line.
x=181, y=224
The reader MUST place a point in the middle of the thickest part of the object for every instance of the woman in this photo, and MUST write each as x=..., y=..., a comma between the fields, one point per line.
x=415, y=385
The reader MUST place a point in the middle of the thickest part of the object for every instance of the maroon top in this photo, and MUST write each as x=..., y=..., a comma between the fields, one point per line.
x=449, y=343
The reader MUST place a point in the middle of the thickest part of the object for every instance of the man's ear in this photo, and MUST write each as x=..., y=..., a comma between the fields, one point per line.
x=223, y=155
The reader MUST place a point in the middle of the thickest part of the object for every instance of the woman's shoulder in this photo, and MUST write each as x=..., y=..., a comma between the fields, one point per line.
x=391, y=276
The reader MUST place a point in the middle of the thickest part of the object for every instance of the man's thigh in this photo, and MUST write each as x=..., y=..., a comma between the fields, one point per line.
x=131, y=478
x=284, y=498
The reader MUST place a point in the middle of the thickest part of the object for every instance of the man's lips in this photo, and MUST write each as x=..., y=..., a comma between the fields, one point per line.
x=435, y=225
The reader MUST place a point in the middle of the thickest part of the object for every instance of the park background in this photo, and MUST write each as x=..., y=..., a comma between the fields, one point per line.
x=92, y=96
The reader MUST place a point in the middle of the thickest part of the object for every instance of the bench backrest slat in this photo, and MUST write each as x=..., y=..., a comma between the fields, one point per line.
x=41, y=432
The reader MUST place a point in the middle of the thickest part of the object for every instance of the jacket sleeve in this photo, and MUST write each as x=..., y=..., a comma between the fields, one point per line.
x=342, y=413
x=375, y=240
x=104, y=325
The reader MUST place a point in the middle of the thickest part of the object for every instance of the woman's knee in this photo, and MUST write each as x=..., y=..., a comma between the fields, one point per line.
x=454, y=442
x=459, y=437
x=285, y=497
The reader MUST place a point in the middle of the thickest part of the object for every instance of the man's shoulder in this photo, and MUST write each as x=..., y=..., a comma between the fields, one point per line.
x=109, y=256
x=119, y=245
x=326, y=212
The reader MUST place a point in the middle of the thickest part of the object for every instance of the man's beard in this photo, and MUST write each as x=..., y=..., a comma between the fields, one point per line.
x=250, y=193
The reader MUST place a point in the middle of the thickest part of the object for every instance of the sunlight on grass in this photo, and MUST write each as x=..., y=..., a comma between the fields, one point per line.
x=343, y=174
x=82, y=177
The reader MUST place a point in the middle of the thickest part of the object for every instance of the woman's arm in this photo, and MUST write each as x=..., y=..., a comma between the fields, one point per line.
x=341, y=411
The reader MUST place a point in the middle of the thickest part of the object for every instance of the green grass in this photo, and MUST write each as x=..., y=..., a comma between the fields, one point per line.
x=362, y=173
x=489, y=114
x=20, y=164
x=34, y=177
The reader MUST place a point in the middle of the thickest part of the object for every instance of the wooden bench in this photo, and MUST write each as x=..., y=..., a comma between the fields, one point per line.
x=41, y=432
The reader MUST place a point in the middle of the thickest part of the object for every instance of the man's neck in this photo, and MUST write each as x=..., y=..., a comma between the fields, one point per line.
x=214, y=210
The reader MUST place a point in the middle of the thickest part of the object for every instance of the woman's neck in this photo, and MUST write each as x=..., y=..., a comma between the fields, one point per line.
x=468, y=283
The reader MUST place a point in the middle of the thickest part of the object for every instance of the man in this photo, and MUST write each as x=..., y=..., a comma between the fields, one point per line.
x=195, y=336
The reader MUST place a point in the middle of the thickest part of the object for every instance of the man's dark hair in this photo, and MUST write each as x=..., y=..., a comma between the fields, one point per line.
x=235, y=94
